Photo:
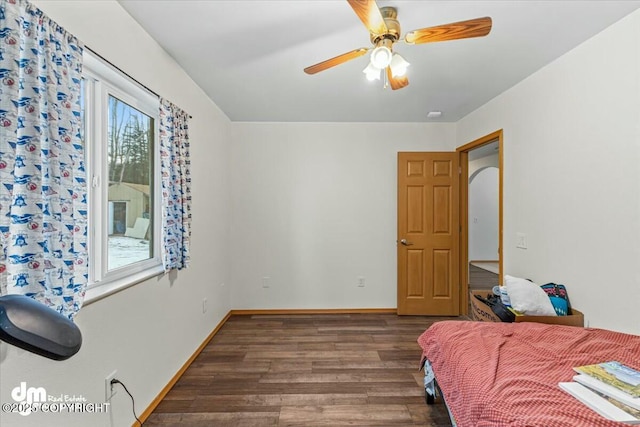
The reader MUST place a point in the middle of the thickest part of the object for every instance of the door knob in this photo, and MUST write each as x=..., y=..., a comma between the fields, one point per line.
x=404, y=242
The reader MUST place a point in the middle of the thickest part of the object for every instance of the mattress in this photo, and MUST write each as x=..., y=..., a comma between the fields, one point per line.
x=507, y=374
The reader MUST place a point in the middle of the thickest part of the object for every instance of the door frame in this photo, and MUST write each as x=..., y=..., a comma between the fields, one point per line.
x=463, y=154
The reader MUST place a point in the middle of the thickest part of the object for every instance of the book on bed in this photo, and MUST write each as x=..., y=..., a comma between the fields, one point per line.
x=615, y=374
x=608, y=390
x=606, y=407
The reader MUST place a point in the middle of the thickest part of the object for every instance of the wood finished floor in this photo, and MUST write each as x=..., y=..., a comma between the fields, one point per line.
x=480, y=278
x=306, y=370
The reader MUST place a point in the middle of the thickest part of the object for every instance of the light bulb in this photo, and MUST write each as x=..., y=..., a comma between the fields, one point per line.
x=398, y=66
x=381, y=57
x=372, y=73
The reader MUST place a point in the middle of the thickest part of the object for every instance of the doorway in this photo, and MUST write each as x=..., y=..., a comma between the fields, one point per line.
x=480, y=225
x=483, y=217
x=117, y=217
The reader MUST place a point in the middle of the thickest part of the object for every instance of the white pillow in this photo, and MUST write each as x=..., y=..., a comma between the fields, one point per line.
x=528, y=298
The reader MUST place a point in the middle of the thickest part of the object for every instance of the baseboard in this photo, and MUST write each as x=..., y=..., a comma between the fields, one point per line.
x=278, y=311
x=152, y=406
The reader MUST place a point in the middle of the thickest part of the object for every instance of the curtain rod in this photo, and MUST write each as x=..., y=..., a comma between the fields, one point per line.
x=125, y=73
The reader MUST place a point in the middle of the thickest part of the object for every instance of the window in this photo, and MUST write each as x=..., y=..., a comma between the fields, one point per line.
x=121, y=136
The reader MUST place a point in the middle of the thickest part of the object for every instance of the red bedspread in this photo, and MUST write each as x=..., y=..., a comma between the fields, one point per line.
x=507, y=374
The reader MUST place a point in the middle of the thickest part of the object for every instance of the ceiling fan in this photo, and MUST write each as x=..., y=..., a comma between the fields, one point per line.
x=384, y=30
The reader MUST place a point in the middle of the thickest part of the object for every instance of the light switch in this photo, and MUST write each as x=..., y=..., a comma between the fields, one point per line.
x=521, y=240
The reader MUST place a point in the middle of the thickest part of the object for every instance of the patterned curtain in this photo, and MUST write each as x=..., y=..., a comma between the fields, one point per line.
x=175, y=168
x=43, y=203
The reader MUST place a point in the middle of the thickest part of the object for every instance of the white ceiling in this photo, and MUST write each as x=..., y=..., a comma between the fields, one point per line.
x=248, y=56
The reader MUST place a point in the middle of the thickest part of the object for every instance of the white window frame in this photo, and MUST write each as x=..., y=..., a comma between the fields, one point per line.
x=101, y=81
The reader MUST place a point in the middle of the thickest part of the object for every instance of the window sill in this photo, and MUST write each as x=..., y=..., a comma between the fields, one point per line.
x=98, y=292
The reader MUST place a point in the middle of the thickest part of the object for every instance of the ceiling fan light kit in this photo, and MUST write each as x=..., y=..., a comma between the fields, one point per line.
x=398, y=65
x=372, y=72
x=384, y=31
x=381, y=57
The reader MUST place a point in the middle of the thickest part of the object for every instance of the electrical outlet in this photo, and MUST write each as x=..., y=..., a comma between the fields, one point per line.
x=109, y=390
x=360, y=282
x=265, y=282
x=204, y=305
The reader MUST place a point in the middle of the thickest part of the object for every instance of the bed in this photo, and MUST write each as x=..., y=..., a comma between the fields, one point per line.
x=507, y=374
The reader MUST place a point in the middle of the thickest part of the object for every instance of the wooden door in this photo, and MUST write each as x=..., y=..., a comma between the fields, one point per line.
x=428, y=234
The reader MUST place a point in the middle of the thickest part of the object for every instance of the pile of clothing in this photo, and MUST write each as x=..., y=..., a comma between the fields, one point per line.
x=524, y=297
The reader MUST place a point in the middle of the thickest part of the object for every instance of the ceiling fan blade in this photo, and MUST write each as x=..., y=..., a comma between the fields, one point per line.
x=396, y=82
x=456, y=30
x=321, y=66
x=369, y=14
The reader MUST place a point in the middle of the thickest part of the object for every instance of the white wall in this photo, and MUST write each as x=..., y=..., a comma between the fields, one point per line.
x=483, y=215
x=571, y=180
x=148, y=331
x=314, y=207
x=483, y=162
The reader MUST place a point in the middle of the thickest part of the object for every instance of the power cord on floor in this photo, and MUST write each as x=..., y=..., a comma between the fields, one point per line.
x=133, y=402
